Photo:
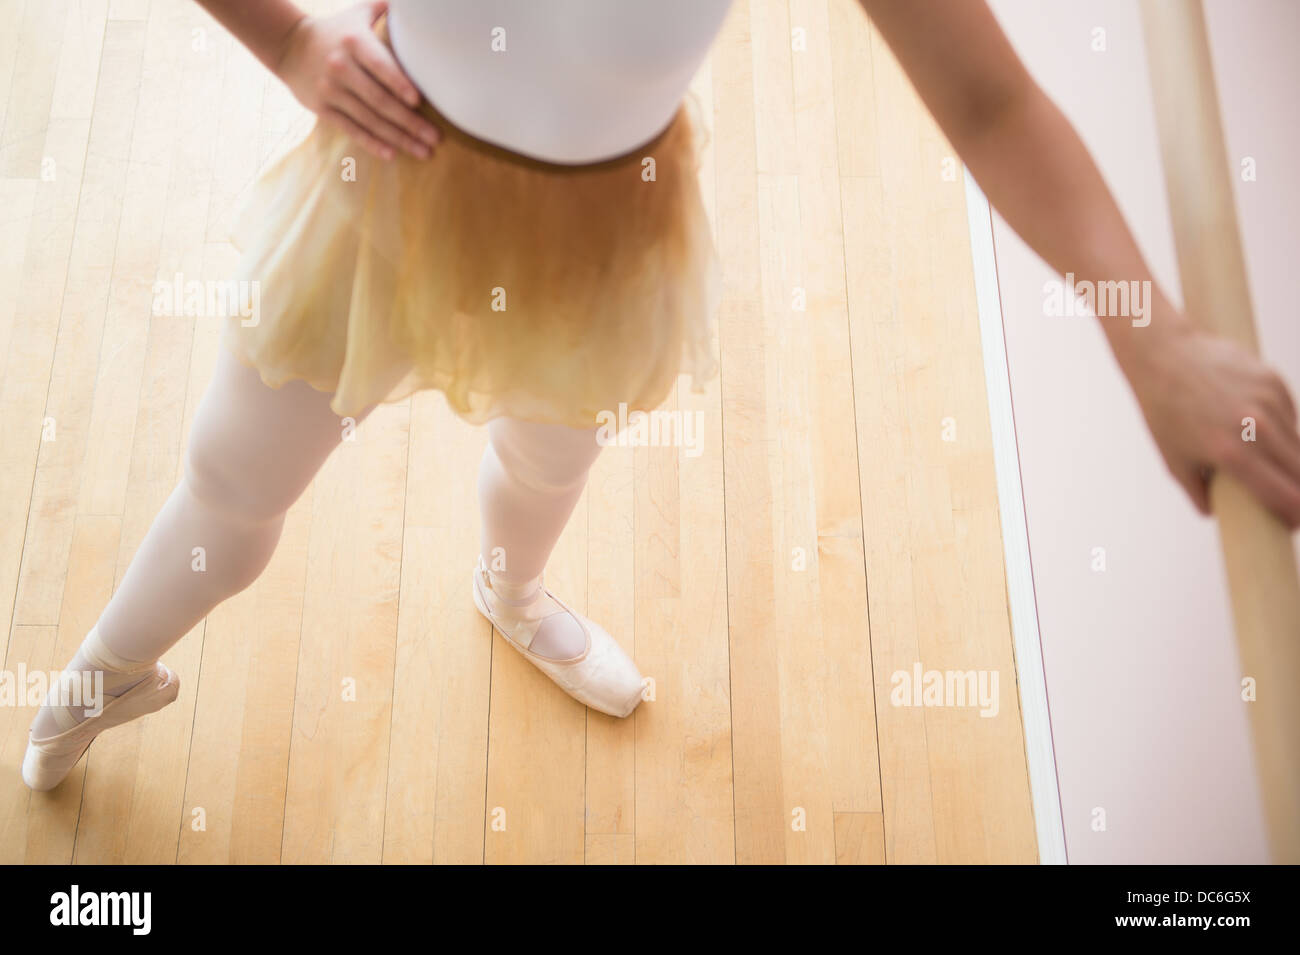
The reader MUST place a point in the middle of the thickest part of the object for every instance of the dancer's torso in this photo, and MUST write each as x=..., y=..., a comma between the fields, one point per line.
x=567, y=81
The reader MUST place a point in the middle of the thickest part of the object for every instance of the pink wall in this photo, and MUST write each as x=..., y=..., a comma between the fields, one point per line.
x=1142, y=675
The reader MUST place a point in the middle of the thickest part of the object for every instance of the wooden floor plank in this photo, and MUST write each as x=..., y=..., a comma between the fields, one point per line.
x=859, y=838
x=437, y=776
x=683, y=731
x=146, y=350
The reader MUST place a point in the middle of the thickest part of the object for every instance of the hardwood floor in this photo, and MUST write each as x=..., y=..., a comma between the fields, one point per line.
x=840, y=525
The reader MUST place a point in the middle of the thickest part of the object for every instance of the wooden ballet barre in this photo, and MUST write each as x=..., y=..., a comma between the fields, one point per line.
x=1257, y=548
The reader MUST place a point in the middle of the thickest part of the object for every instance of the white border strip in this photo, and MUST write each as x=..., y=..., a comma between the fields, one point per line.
x=1015, y=537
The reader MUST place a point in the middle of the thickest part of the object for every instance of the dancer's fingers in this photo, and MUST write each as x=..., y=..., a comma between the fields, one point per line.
x=1279, y=398
x=1193, y=481
x=1282, y=443
x=417, y=133
x=360, y=113
x=1277, y=489
x=380, y=63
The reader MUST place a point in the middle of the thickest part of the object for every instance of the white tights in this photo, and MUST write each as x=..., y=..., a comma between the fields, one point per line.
x=253, y=450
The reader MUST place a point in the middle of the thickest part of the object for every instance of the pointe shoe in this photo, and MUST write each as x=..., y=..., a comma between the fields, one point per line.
x=602, y=677
x=49, y=760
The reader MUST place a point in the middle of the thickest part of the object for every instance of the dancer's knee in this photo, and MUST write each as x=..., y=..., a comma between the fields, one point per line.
x=548, y=459
x=215, y=477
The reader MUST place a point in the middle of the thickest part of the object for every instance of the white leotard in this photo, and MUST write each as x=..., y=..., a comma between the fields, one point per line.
x=566, y=81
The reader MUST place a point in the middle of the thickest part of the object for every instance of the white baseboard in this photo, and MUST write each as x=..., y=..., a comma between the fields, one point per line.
x=1015, y=538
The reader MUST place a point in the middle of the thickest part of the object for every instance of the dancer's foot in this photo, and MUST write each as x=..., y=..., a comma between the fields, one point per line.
x=61, y=732
x=60, y=712
x=597, y=672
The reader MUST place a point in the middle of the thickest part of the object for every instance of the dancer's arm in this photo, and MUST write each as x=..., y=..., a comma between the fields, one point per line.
x=337, y=68
x=1194, y=389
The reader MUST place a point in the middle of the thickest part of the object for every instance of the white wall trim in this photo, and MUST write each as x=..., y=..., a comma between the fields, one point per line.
x=1039, y=752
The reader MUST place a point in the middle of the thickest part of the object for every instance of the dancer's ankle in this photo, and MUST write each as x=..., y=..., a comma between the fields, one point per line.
x=102, y=676
x=557, y=634
x=514, y=592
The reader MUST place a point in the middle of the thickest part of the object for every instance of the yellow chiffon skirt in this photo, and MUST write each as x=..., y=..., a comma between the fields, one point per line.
x=545, y=292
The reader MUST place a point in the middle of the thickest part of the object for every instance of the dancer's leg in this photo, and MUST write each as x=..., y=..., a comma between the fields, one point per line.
x=252, y=452
x=530, y=479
